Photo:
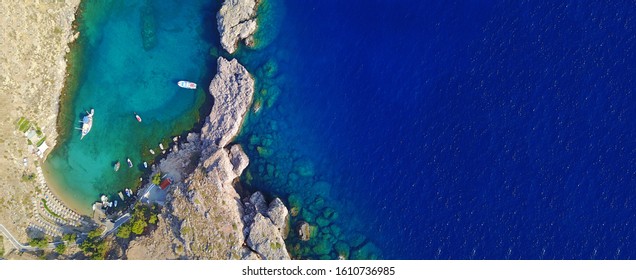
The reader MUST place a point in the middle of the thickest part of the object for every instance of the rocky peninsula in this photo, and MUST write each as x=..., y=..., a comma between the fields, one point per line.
x=204, y=216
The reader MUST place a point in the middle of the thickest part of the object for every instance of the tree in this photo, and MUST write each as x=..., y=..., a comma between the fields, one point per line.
x=153, y=219
x=69, y=237
x=139, y=226
x=124, y=231
x=94, y=246
x=60, y=248
x=156, y=179
x=39, y=243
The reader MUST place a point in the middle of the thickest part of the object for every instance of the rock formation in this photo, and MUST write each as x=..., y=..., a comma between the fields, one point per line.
x=236, y=21
x=233, y=89
x=204, y=216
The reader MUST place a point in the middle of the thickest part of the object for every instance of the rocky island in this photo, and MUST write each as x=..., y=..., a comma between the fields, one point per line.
x=237, y=21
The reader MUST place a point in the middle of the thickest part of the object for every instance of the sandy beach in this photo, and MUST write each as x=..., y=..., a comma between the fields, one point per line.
x=33, y=45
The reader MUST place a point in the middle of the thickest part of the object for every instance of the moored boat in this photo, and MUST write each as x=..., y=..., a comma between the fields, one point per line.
x=87, y=123
x=145, y=164
x=117, y=165
x=137, y=117
x=129, y=162
x=187, y=84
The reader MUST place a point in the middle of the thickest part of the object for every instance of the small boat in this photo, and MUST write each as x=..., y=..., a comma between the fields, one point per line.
x=187, y=84
x=116, y=167
x=129, y=162
x=145, y=164
x=137, y=117
x=128, y=192
x=121, y=195
x=161, y=146
x=87, y=123
x=152, y=152
x=115, y=203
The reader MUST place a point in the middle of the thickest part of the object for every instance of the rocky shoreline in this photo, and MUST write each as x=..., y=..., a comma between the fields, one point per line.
x=204, y=216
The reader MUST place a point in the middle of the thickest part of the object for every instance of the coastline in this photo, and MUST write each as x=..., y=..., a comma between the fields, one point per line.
x=35, y=44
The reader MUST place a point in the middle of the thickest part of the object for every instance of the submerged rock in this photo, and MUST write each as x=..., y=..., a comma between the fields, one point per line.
x=148, y=28
x=236, y=21
x=368, y=252
x=323, y=247
x=342, y=249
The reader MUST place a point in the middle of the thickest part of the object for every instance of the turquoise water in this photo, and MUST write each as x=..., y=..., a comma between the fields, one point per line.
x=128, y=59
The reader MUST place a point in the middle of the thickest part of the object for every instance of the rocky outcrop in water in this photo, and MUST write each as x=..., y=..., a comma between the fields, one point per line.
x=233, y=89
x=204, y=216
x=236, y=21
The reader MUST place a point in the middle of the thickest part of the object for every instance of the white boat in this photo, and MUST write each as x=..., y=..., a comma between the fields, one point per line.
x=187, y=84
x=152, y=152
x=115, y=203
x=121, y=195
x=87, y=123
x=116, y=167
x=161, y=146
x=137, y=117
x=145, y=164
x=129, y=162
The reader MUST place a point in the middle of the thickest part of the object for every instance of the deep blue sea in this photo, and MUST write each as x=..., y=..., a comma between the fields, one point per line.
x=448, y=130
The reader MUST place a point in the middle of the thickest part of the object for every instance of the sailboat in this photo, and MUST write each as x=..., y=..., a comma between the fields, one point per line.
x=87, y=123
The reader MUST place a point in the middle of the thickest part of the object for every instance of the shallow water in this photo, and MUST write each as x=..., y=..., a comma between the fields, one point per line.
x=130, y=56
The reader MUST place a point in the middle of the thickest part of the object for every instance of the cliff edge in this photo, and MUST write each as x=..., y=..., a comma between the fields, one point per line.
x=236, y=21
x=204, y=217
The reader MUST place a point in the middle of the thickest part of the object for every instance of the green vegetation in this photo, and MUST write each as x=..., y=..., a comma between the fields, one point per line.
x=124, y=231
x=19, y=122
x=141, y=217
x=275, y=245
x=23, y=124
x=69, y=237
x=156, y=179
x=39, y=243
x=40, y=142
x=49, y=210
x=60, y=248
x=139, y=226
x=28, y=177
x=1, y=246
x=94, y=246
